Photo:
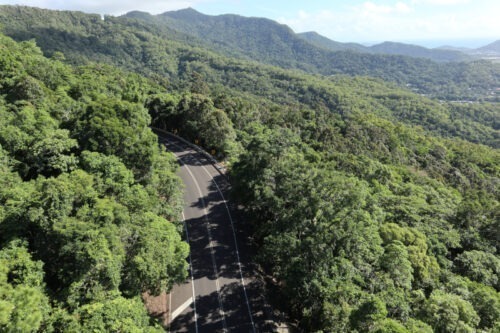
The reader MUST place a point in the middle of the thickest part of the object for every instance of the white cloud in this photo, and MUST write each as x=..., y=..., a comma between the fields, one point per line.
x=440, y=2
x=371, y=8
x=365, y=22
x=361, y=20
x=402, y=20
x=402, y=7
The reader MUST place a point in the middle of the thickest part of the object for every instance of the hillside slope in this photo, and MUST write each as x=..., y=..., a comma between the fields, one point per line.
x=264, y=40
x=373, y=209
x=419, y=51
x=492, y=48
x=439, y=55
x=89, y=201
x=167, y=56
x=151, y=47
x=324, y=42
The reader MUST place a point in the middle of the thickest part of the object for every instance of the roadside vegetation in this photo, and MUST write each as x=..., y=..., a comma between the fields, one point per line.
x=374, y=209
x=88, y=199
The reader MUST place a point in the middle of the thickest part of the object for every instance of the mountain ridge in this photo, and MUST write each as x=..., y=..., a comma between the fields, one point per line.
x=492, y=47
x=192, y=21
x=93, y=38
x=322, y=41
x=371, y=207
x=387, y=47
x=190, y=17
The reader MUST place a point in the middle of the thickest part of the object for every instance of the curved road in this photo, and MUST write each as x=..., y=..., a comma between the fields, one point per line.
x=220, y=295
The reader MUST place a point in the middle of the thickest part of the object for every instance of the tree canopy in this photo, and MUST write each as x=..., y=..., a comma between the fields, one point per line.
x=373, y=208
x=87, y=196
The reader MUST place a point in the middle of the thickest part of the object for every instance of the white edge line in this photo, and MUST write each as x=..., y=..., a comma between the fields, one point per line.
x=181, y=308
x=192, y=276
x=170, y=308
x=235, y=246
x=212, y=253
x=235, y=241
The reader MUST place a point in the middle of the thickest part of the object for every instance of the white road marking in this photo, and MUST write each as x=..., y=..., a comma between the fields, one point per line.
x=170, y=308
x=181, y=308
x=235, y=246
x=234, y=237
x=192, y=277
x=212, y=253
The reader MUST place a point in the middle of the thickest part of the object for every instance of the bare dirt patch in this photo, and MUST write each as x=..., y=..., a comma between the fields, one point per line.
x=157, y=306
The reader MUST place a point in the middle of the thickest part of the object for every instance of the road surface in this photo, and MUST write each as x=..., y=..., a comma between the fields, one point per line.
x=221, y=294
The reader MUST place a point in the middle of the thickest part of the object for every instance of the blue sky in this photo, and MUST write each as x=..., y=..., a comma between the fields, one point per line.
x=428, y=22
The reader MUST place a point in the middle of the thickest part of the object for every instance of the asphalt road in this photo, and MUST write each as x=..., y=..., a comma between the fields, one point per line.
x=221, y=294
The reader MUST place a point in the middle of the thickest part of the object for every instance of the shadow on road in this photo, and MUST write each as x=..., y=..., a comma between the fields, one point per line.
x=223, y=249
x=235, y=320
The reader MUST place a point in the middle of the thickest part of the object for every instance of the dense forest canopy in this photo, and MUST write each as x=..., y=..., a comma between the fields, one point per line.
x=250, y=36
x=161, y=44
x=86, y=198
x=374, y=209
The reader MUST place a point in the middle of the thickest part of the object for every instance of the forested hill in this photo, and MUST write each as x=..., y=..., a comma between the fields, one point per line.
x=324, y=42
x=387, y=48
x=155, y=44
x=86, y=198
x=373, y=209
x=267, y=41
x=491, y=48
x=167, y=56
x=253, y=38
x=418, y=51
x=271, y=42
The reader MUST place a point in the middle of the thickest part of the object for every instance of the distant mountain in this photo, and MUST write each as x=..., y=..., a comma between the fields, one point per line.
x=248, y=37
x=386, y=48
x=324, y=42
x=140, y=15
x=445, y=53
x=490, y=51
x=454, y=48
x=418, y=51
x=490, y=48
x=175, y=44
x=232, y=35
x=394, y=48
x=266, y=40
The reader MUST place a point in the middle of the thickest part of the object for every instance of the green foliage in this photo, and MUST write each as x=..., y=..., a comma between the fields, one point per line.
x=368, y=206
x=417, y=326
x=409, y=244
x=390, y=326
x=486, y=302
x=366, y=317
x=23, y=304
x=165, y=185
x=372, y=208
x=395, y=262
x=113, y=177
x=118, y=128
x=117, y=315
x=480, y=266
x=449, y=313
x=85, y=191
x=177, y=47
x=32, y=137
x=195, y=117
x=153, y=267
